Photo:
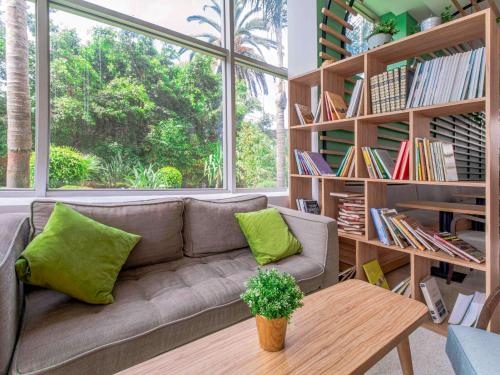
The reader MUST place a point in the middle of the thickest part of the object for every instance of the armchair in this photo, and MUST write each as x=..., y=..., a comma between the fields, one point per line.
x=475, y=350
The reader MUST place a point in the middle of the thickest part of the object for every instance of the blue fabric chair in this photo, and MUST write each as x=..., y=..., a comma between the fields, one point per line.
x=474, y=350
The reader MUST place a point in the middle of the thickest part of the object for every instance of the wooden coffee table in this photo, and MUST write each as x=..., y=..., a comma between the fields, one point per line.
x=344, y=329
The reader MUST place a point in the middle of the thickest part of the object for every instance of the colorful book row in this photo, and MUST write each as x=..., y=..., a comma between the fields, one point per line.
x=312, y=163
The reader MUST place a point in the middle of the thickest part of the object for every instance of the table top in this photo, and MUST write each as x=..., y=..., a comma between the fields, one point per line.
x=343, y=329
x=460, y=208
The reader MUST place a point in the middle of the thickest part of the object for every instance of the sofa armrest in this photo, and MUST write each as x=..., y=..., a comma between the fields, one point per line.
x=318, y=236
x=14, y=236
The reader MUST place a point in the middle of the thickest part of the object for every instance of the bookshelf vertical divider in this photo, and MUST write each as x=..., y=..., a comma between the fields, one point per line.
x=478, y=26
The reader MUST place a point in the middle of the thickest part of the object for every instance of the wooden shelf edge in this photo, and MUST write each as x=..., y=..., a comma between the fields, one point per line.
x=441, y=328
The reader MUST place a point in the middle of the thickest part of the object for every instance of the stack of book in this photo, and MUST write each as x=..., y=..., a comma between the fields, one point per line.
x=403, y=288
x=356, y=102
x=402, y=168
x=351, y=218
x=434, y=161
x=305, y=115
x=346, y=168
x=397, y=229
x=378, y=163
x=389, y=90
x=336, y=108
x=449, y=79
x=309, y=206
x=312, y=163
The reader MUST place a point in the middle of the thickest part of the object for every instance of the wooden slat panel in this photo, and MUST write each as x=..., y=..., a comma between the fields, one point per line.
x=336, y=18
x=327, y=56
x=334, y=47
x=338, y=140
x=327, y=29
x=332, y=152
x=346, y=7
x=459, y=7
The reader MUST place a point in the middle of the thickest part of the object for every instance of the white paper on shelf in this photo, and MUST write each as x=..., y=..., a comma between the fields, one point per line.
x=461, y=306
x=474, y=309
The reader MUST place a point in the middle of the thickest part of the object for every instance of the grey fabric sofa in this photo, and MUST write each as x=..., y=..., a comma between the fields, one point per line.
x=163, y=298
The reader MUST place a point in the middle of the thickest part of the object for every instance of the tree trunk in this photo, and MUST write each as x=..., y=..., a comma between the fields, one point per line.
x=280, y=119
x=18, y=95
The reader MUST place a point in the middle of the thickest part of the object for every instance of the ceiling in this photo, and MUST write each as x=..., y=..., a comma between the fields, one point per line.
x=419, y=9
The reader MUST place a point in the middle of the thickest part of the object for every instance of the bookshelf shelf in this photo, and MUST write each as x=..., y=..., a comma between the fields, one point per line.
x=478, y=27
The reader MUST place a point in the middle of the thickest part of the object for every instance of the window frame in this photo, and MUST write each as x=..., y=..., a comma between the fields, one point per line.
x=98, y=13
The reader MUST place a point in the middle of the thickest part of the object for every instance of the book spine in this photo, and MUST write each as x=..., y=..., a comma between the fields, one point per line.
x=379, y=226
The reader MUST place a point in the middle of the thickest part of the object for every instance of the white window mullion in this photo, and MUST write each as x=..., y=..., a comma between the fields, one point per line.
x=42, y=139
x=229, y=96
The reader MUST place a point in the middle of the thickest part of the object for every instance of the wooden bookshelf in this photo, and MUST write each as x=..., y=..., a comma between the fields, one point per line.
x=480, y=26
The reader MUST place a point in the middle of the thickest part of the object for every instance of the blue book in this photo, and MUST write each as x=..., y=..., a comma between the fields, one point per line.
x=379, y=226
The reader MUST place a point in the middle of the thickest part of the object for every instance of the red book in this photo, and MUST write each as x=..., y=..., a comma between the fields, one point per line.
x=404, y=173
x=402, y=148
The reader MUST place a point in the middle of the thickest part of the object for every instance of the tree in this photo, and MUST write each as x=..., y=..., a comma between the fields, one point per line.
x=19, y=141
x=246, y=42
x=275, y=16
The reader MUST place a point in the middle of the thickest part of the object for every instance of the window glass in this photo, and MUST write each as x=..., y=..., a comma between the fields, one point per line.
x=261, y=141
x=17, y=94
x=260, y=30
x=130, y=111
x=196, y=18
x=359, y=34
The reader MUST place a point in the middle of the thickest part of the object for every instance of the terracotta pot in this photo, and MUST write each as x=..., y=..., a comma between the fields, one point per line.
x=272, y=333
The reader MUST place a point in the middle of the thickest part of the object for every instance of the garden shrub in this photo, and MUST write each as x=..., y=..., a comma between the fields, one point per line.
x=67, y=166
x=170, y=177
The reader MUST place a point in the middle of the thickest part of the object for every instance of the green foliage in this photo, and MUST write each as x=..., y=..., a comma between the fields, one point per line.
x=213, y=167
x=255, y=163
x=272, y=294
x=145, y=178
x=446, y=14
x=170, y=177
x=385, y=27
x=114, y=172
x=67, y=166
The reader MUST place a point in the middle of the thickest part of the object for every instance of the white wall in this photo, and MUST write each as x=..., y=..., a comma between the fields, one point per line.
x=302, y=35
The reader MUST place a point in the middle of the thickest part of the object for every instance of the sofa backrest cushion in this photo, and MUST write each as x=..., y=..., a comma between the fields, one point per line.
x=210, y=227
x=157, y=221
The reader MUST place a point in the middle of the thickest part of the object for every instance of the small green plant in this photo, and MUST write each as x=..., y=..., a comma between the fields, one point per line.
x=170, y=177
x=114, y=172
x=212, y=169
x=67, y=166
x=144, y=178
x=385, y=27
x=272, y=294
x=446, y=14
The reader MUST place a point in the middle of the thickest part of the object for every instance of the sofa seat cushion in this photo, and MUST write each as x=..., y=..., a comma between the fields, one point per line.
x=157, y=308
x=157, y=221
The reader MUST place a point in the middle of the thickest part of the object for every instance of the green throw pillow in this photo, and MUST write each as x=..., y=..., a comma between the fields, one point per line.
x=77, y=256
x=268, y=235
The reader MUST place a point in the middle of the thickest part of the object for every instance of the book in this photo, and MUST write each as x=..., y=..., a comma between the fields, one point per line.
x=320, y=163
x=434, y=161
x=460, y=247
x=382, y=233
x=346, y=167
x=355, y=99
x=448, y=78
x=374, y=274
x=317, y=115
x=460, y=308
x=309, y=206
x=311, y=163
x=474, y=310
x=347, y=194
x=304, y=114
x=336, y=104
x=379, y=163
x=402, y=287
x=434, y=300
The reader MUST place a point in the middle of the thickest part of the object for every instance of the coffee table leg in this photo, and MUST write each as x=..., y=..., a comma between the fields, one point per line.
x=405, y=357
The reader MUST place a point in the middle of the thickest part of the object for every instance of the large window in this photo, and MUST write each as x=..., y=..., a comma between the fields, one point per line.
x=138, y=95
x=17, y=93
x=130, y=111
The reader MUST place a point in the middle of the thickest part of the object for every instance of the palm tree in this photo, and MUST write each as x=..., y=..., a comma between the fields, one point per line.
x=19, y=141
x=275, y=17
x=246, y=43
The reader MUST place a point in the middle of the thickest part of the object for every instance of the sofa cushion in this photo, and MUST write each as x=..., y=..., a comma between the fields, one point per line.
x=210, y=226
x=472, y=350
x=157, y=221
x=157, y=308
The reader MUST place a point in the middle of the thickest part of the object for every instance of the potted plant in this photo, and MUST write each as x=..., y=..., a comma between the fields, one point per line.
x=272, y=297
x=382, y=33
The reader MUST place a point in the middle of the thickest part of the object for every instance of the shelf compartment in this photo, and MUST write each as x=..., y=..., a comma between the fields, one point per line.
x=345, y=124
x=437, y=256
x=347, y=67
x=452, y=108
x=461, y=30
x=458, y=208
x=312, y=78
